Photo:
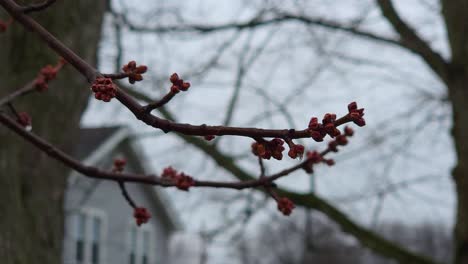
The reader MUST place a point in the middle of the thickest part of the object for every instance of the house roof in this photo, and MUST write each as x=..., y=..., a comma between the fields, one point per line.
x=89, y=139
x=95, y=143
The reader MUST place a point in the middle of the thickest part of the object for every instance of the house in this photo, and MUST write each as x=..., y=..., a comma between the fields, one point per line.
x=99, y=223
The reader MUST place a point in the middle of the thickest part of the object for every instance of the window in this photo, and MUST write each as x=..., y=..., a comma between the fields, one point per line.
x=145, y=247
x=140, y=247
x=133, y=245
x=80, y=234
x=96, y=240
x=89, y=237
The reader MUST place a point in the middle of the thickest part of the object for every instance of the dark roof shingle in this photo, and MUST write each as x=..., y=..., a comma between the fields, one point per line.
x=89, y=139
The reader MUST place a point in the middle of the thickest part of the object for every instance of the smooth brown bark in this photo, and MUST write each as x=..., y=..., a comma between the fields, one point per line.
x=31, y=184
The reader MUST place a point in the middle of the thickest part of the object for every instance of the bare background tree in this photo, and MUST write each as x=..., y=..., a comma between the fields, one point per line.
x=277, y=54
x=250, y=52
x=284, y=240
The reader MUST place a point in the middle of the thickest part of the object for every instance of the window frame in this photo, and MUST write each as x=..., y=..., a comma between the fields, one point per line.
x=89, y=215
x=139, y=242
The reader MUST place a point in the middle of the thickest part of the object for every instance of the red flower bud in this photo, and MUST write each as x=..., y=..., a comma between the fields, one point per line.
x=348, y=131
x=285, y=205
x=296, y=151
x=277, y=155
x=277, y=141
x=316, y=135
x=268, y=149
x=175, y=89
x=134, y=72
x=141, y=69
x=184, y=182
x=332, y=145
x=3, y=26
x=356, y=114
x=131, y=65
x=174, y=78
x=329, y=118
x=314, y=156
x=141, y=215
x=185, y=86
x=329, y=128
x=329, y=162
x=24, y=119
x=103, y=89
x=169, y=173
x=209, y=137
x=352, y=106
x=314, y=124
x=341, y=140
x=41, y=84
x=360, y=122
x=119, y=165
x=49, y=72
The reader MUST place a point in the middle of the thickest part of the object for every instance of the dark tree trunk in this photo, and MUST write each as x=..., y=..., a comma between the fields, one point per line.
x=459, y=98
x=455, y=14
x=31, y=184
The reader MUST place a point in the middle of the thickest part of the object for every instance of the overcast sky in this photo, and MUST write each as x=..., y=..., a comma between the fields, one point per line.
x=310, y=71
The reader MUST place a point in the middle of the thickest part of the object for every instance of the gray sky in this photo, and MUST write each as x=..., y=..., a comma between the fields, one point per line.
x=312, y=71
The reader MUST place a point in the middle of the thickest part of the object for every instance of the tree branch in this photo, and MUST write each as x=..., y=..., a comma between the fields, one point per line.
x=160, y=103
x=29, y=87
x=153, y=179
x=139, y=111
x=367, y=238
x=311, y=200
x=410, y=39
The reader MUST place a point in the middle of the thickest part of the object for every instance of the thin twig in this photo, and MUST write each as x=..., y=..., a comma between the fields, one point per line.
x=38, y=7
x=29, y=87
x=116, y=76
x=13, y=110
x=138, y=110
x=126, y=195
x=151, y=179
x=262, y=167
x=150, y=107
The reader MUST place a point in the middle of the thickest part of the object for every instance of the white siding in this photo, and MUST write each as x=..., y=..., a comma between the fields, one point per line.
x=105, y=197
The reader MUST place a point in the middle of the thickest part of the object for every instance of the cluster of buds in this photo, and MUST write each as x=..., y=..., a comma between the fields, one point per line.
x=134, y=72
x=356, y=114
x=24, y=119
x=178, y=84
x=119, y=165
x=268, y=149
x=296, y=151
x=181, y=180
x=285, y=205
x=141, y=215
x=341, y=140
x=47, y=74
x=319, y=130
x=312, y=157
x=103, y=89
